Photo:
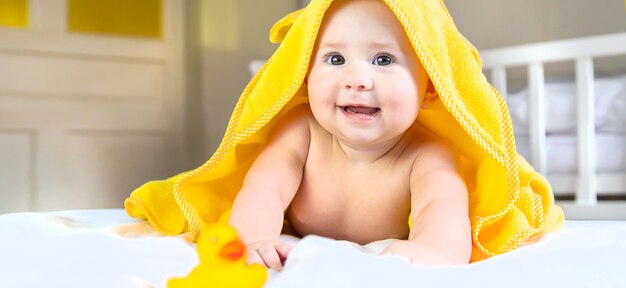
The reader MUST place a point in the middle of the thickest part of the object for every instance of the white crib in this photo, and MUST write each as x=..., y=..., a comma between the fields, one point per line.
x=586, y=185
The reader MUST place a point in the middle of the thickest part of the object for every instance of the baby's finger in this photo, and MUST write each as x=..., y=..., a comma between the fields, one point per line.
x=254, y=257
x=283, y=250
x=270, y=257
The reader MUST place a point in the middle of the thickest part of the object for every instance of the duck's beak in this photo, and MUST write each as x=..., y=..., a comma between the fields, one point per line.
x=233, y=250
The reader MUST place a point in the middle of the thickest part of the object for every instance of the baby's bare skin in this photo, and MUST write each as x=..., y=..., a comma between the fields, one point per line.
x=357, y=199
x=354, y=164
x=360, y=201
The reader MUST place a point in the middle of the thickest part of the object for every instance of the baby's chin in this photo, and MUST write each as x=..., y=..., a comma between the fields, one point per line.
x=368, y=141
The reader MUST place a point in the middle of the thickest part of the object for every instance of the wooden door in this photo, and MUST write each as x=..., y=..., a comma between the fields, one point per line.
x=87, y=117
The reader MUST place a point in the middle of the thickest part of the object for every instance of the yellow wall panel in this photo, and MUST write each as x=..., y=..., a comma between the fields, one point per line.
x=14, y=13
x=141, y=18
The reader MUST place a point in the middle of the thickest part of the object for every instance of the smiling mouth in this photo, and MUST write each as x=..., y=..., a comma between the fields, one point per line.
x=360, y=110
x=360, y=113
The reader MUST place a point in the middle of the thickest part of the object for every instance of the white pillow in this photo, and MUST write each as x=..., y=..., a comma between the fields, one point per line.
x=560, y=107
x=561, y=153
x=615, y=116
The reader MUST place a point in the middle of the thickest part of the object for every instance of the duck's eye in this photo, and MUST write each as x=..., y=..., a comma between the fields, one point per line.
x=382, y=60
x=335, y=59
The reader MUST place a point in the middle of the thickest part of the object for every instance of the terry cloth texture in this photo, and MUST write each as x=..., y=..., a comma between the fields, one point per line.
x=508, y=201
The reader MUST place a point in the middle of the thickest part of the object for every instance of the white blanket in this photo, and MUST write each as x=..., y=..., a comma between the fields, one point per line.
x=106, y=248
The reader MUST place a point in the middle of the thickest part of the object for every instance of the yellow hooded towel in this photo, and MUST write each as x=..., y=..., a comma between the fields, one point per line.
x=508, y=201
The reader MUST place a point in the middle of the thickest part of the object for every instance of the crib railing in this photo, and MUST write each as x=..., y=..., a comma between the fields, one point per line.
x=587, y=183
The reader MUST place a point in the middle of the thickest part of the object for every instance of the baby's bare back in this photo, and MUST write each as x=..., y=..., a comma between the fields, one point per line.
x=353, y=200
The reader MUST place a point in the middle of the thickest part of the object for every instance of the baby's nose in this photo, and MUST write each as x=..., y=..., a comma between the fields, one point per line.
x=358, y=82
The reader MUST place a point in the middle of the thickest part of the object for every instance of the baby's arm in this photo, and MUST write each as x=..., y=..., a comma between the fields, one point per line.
x=441, y=231
x=269, y=188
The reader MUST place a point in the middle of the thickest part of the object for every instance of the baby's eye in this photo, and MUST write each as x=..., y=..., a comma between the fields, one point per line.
x=334, y=59
x=383, y=60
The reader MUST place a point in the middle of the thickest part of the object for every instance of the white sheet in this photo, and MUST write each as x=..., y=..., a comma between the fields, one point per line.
x=105, y=248
x=87, y=249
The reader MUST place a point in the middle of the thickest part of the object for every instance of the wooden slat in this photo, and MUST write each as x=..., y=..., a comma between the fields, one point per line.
x=586, y=192
x=538, y=120
x=554, y=51
x=607, y=184
x=604, y=210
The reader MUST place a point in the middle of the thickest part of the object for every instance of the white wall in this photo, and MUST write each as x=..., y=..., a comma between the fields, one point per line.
x=222, y=38
x=497, y=23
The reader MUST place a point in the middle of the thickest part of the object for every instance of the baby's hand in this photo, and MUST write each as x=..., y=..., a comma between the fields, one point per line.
x=417, y=254
x=272, y=254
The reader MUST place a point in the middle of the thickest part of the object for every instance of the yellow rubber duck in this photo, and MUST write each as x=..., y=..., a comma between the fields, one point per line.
x=222, y=262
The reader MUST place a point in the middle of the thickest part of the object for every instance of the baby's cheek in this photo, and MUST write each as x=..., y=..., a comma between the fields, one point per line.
x=404, y=100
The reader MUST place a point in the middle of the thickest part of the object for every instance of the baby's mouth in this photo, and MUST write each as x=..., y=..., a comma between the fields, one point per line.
x=360, y=113
x=369, y=111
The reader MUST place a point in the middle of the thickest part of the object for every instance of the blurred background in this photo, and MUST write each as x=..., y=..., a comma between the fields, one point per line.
x=99, y=96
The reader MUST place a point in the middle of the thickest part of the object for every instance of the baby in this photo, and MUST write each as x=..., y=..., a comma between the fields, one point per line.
x=353, y=164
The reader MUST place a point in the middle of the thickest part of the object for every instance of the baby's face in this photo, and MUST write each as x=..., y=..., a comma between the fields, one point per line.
x=365, y=83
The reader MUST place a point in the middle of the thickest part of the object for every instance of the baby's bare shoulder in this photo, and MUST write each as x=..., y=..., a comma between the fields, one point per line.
x=436, y=153
x=290, y=137
x=294, y=123
x=430, y=147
